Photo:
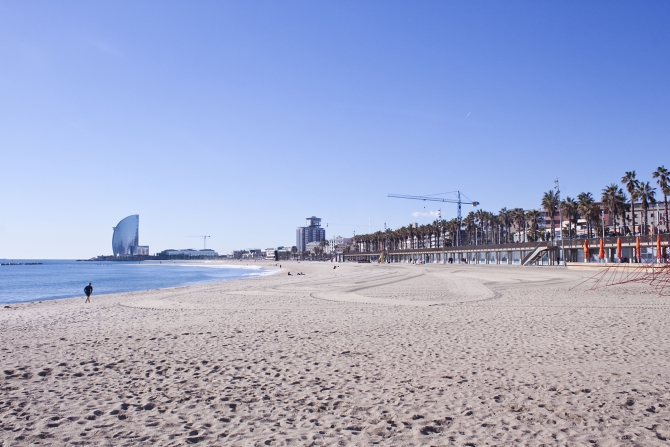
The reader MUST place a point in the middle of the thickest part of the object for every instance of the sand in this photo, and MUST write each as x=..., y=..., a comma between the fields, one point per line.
x=358, y=355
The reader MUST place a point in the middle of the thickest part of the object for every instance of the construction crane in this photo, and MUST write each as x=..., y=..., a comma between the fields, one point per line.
x=438, y=199
x=204, y=240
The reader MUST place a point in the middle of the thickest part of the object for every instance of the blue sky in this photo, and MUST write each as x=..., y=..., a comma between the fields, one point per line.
x=239, y=119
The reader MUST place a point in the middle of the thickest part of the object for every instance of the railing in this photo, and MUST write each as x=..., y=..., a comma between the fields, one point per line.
x=568, y=244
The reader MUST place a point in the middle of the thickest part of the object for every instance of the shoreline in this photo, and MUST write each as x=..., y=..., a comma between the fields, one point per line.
x=262, y=270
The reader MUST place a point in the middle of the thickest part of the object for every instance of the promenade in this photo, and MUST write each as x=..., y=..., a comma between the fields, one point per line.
x=525, y=253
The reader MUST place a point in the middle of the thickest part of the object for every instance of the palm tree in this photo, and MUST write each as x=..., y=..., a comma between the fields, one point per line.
x=532, y=216
x=584, y=206
x=454, y=227
x=323, y=243
x=550, y=204
x=434, y=230
x=420, y=234
x=666, y=193
x=594, y=213
x=663, y=176
x=444, y=228
x=379, y=237
x=496, y=223
x=491, y=224
x=629, y=181
x=519, y=217
x=388, y=236
x=469, y=223
x=622, y=206
x=404, y=233
x=480, y=214
x=610, y=198
x=570, y=208
x=647, y=194
x=506, y=219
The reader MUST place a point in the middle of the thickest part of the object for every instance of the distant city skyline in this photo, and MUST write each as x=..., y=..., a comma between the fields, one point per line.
x=237, y=119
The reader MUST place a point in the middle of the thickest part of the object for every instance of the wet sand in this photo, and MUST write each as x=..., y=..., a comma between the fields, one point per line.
x=358, y=355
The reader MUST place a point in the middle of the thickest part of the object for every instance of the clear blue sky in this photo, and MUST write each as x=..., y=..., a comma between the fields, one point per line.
x=240, y=119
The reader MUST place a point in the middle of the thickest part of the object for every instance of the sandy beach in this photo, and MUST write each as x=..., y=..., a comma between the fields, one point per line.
x=404, y=355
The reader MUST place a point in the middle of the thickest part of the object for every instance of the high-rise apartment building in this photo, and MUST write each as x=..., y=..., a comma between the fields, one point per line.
x=311, y=232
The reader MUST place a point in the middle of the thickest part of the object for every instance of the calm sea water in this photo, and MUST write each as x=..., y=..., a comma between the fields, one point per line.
x=65, y=279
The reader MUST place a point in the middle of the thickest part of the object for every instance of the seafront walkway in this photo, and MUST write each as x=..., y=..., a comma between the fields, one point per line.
x=526, y=253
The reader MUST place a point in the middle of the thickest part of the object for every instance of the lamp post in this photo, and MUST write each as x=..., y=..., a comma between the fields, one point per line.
x=439, y=230
x=560, y=218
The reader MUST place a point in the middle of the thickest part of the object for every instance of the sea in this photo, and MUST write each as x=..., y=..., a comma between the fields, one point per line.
x=37, y=280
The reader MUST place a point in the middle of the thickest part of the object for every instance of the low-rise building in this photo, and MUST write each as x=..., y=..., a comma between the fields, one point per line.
x=253, y=253
x=270, y=254
x=310, y=246
x=284, y=253
x=141, y=250
x=237, y=254
x=189, y=253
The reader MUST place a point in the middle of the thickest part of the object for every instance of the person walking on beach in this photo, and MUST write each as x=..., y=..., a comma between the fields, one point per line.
x=88, y=290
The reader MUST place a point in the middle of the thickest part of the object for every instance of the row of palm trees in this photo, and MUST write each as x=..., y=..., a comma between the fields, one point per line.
x=518, y=225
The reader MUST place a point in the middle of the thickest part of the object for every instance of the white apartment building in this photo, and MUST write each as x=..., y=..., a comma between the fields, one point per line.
x=337, y=240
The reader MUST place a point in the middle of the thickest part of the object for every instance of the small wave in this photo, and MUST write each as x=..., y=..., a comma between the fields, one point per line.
x=65, y=279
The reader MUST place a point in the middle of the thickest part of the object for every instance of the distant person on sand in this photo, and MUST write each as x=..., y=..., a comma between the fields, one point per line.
x=88, y=290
